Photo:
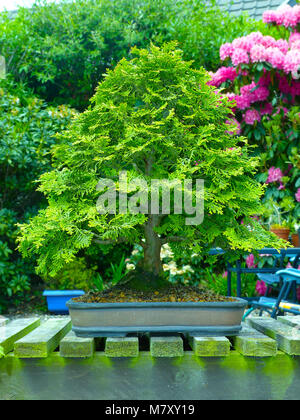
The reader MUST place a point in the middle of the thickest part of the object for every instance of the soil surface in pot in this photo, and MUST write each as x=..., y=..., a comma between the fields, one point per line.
x=172, y=293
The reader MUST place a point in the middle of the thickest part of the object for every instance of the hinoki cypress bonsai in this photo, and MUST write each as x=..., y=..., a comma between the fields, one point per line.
x=154, y=117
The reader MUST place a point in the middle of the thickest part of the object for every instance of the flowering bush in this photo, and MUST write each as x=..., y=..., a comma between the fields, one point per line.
x=261, y=78
x=261, y=287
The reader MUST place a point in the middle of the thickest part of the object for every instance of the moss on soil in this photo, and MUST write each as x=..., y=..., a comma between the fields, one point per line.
x=171, y=293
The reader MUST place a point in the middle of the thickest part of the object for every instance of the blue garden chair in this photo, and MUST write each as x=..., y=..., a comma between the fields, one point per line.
x=288, y=280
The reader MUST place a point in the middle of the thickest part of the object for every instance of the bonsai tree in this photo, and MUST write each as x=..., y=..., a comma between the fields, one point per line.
x=152, y=118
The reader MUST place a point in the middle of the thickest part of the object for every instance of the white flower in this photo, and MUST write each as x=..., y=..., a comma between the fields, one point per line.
x=166, y=251
x=186, y=268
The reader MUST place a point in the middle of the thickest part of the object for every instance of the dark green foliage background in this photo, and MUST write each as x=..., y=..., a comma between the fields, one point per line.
x=62, y=50
x=27, y=131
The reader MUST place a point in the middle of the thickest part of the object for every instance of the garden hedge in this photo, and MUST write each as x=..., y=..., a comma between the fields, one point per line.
x=62, y=50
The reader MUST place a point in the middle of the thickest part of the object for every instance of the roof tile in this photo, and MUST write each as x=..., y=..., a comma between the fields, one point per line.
x=255, y=8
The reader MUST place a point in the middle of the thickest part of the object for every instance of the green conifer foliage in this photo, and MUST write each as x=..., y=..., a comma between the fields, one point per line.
x=153, y=116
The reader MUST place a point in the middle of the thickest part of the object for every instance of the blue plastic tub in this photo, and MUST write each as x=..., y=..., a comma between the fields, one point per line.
x=56, y=299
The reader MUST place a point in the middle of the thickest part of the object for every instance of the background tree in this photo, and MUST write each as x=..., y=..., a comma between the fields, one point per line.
x=155, y=117
x=61, y=49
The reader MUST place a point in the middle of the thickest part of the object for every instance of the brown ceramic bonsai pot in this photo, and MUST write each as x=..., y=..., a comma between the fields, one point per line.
x=282, y=233
x=120, y=319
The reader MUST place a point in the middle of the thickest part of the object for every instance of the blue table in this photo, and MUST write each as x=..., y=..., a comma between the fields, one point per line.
x=237, y=268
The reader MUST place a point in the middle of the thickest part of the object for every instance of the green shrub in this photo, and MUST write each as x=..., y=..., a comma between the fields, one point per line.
x=74, y=276
x=62, y=50
x=218, y=283
x=27, y=131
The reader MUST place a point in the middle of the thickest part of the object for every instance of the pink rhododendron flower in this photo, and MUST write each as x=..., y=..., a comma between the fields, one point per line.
x=285, y=15
x=283, y=45
x=295, y=36
x=239, y=56
x=275, y=57
x=296, y=45
x=253, y=93
x=250, y=261
x=261, y=287
x=290, y=18
x=222, y=75
x=268, y=41
x=258, y=53
x=297, y=195
x=224, y=275
x=244, y=43
x=251, y=116
x=274, y=175
x=246, y=90
x=225, y=51
x=270, y=16
x=256, y=37
x=260, y=94
x=281, y=11
x=292, y=61
x=243, y=101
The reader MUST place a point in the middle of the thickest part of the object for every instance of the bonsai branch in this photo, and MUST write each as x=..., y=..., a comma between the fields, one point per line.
x=99, y=241
x=120, y=240
x=173, y=239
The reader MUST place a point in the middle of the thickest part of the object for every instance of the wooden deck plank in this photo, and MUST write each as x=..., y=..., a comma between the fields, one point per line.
x=44, y=340
x=3, y=321
x=14, y=331
x=73, y=346
x=252, y=343
x=210, y=346
x=166, y=346
x=292, y=321
x=288, y=338
x=122, y=347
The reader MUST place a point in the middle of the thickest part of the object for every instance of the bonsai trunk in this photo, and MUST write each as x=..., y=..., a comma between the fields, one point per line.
x=148, y=274
x=152, y=262
x=150, y=269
